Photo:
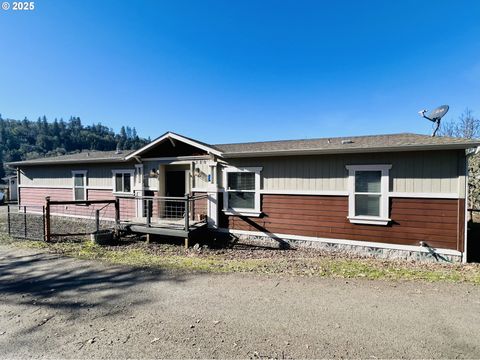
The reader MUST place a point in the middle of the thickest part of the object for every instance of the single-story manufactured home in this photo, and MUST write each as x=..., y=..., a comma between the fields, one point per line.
x=399, y=193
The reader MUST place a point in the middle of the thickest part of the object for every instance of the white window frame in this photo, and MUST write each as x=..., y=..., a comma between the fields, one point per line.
x=383, y=219
x=132, y=181
x=256, y=211
x=84, y=174
x=139, y=178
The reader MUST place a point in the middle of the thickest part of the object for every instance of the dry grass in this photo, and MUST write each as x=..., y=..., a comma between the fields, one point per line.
x=246, y=259
x=254, y=260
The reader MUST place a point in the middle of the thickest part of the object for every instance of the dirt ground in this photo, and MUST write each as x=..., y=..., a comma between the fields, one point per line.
x=57, y=307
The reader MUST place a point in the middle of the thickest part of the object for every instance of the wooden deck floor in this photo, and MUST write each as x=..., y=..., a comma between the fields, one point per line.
x=170, y=227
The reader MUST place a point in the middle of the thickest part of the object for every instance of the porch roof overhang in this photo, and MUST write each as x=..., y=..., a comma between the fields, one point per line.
x=173, y=136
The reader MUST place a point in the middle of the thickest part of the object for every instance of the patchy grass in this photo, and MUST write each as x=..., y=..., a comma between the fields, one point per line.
x=296, y=263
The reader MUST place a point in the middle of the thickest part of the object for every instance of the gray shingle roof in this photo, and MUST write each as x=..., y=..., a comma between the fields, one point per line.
x=81, y=157
x=404, y=141
x=351, y=144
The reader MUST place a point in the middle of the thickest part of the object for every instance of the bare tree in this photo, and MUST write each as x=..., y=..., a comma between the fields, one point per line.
x=467, y=126
x=447, y=128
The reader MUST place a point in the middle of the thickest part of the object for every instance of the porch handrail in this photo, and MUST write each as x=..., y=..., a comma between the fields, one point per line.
x=196, y=197
x=145, y=197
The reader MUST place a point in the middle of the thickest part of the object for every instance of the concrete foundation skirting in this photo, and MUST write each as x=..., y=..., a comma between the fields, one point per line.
x=370, y=250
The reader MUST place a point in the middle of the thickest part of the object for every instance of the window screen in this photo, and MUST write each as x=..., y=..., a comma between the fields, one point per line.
x=241, y=181
x=367, y=193
x=79, y=187
x=241, y=190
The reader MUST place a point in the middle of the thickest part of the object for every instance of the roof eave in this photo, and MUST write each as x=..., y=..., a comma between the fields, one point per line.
x=61, y=162
x=231, y=155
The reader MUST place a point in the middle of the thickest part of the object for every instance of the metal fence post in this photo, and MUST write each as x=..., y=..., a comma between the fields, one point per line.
x=117, y=217
x=43, y=221
x=47, y=218
x=8, y=220
x=25, y=221
x=117, y=211
x=97, y=220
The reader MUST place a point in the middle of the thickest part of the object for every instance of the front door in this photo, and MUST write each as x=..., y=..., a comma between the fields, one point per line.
x=175, y=183
x=175, y=187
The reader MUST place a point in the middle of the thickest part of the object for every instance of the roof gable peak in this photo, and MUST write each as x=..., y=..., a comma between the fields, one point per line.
x=172, y=137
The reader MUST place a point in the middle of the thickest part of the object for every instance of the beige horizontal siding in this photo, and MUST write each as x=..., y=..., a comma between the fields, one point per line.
x=98, y=175
x=438, y=172
x=411, y=172
x=201, y=181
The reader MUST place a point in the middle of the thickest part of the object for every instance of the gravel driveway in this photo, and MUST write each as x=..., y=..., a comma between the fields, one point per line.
x=57, y=307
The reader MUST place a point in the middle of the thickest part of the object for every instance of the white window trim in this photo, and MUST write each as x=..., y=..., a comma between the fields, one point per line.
x=85, y=185
x=132, y=181
x=383, y=219
x=139, y=177
x=256, y=211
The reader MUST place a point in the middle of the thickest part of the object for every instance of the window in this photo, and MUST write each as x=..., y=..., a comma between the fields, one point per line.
x=122, y=181
x=79, y=185
x=368, y=194
x=241, y=196
x=139, y=174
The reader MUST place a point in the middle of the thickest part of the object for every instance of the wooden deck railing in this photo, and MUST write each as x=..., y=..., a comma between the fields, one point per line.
x=166, y=209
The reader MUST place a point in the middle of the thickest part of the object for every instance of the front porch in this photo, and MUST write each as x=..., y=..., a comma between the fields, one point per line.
x=174, y=188
x=167, y=216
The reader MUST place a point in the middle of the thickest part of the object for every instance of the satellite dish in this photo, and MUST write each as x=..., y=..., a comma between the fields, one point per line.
x=435, y=116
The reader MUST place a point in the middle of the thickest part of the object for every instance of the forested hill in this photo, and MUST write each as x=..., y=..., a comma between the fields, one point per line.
x=25, y=139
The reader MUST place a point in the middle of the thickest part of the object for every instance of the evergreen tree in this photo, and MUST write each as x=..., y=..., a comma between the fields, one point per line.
x=21, y=140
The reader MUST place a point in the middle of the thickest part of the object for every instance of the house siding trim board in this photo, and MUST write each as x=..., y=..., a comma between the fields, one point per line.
x=345, y=193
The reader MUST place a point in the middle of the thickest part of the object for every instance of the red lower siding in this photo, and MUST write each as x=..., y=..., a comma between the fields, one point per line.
x=199, y=206
x=438, y=222
x=36, y=197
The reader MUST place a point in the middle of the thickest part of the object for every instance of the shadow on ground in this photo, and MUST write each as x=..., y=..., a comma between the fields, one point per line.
x=57, y=282
x=214, y=241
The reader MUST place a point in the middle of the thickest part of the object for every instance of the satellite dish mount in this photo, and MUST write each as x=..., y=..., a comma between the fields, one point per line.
x=435, y=116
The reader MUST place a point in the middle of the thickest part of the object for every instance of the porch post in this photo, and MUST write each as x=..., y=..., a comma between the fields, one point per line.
x=212, y=196
x=212, y=209
x=161, y=190
x=187, y=212
x=187, y=219
x=139, y=190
